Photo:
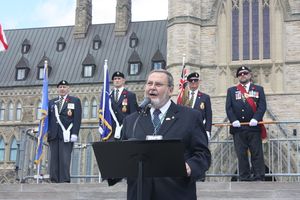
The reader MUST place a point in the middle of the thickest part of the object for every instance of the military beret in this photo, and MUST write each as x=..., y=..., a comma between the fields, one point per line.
x=242, y=68
x=194, y=74
x=63, y=82
x=117, y=74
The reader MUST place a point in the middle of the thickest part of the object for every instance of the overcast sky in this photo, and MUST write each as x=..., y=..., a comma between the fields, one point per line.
x=19, y=14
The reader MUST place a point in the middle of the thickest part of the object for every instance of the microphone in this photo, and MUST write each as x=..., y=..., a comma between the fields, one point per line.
x=144, y=104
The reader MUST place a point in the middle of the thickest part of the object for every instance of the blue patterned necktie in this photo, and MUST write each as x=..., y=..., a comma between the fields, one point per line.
x=156, y=120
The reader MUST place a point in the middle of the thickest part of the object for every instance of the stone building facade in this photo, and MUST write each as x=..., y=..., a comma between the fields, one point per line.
x=203, y=30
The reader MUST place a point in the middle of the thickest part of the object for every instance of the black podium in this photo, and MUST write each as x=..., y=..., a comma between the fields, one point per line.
x=140, y=158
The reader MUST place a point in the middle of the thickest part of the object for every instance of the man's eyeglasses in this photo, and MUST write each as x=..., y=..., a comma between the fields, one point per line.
x=195, y=80
x=157, y=85
x=241, y=73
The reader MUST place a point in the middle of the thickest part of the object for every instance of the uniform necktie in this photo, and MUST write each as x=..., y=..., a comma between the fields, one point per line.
x=117, y=95
x=156, y=120
x=192, y=99
x=60, y=103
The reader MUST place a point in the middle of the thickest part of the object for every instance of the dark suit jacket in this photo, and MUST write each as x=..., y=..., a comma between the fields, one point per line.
x=75, y=118
x=237, y=109
x=203, y=104
x=120, y=110
x=180, y=123
x=117, y=107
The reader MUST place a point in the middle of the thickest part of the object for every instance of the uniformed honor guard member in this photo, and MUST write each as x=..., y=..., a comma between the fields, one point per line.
x=123, y=103
x=246, y=102
x=200, y=101
x=64, y=124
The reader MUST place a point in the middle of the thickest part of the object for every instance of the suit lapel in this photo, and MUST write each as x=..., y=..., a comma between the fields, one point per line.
x=144, y=124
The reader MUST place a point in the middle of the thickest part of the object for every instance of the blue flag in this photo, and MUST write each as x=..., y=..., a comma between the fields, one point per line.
x=43, y=125
x=105, y=128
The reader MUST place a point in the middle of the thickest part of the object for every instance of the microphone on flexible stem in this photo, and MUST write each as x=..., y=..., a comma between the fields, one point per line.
x=142, y=107
x=141, y=110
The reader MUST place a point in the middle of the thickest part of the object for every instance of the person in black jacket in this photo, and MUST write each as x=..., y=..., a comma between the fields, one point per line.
x=246, y=102
x=167, y=120
x=201, y=102
x=123, y=103
x=64, y=124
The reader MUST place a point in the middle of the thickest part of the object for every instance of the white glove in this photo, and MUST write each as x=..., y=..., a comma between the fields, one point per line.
x=236, y=123
x=253, y=122
x=208, y=135
x=73, y=138
x=100, y=130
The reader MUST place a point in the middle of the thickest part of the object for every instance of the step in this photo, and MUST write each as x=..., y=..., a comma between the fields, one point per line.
x=101, y=191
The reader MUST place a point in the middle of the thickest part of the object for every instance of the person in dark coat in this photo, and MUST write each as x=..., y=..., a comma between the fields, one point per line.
x=200, y=101
x=246, y=102
x=123, y=103
x=166, y=120
x=64, y=124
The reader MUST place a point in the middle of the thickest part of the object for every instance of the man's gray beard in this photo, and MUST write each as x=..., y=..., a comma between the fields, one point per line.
x=245, y=81
x=157, y=103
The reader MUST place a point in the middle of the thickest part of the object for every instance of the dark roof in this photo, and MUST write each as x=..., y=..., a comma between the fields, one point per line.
x=67, y=64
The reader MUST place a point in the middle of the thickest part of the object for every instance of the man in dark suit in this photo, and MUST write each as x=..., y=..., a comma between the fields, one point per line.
x=166, y=120
x=123, y=103
x=247, y=103
x=64, y=124
x=200, y=101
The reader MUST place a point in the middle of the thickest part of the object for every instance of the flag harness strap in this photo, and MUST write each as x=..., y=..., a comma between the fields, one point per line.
x=118, y=127
x=66, y=133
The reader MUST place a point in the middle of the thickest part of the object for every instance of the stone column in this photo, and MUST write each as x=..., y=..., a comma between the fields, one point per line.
x=123, y=17
x=83, y=18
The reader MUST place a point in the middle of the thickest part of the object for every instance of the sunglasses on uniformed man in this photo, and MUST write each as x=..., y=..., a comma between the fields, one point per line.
x=241, y=73
x=195, y=80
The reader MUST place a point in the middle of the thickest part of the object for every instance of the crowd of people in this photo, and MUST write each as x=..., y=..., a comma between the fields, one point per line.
x=165, y=120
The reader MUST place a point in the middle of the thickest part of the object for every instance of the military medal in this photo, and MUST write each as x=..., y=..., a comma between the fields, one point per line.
x=69, y=112
x=202, y=105
x=238, y=95
x=124, y=103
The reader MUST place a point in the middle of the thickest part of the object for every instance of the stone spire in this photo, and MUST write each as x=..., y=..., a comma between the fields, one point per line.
x=83, y=18
x=123, y=17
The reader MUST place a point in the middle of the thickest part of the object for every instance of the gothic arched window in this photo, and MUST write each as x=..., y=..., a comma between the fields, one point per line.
x=19, y=111
x=10, y=111
x=250, y=30
x=13, y=150
x=94, y=109
x=38, y=110
x=2, y=112
x=2, y=149
x=85, y=109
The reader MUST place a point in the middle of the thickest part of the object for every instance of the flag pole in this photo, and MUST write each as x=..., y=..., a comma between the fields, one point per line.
x=43, y=124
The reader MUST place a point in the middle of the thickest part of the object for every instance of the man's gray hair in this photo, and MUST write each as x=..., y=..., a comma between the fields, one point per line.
x=170, y=77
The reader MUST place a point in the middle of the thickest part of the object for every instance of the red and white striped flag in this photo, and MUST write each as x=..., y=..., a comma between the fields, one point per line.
x=3, y=42
x=182, y=98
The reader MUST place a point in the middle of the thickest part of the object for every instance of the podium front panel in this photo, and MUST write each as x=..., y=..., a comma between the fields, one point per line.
x=160, y=158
